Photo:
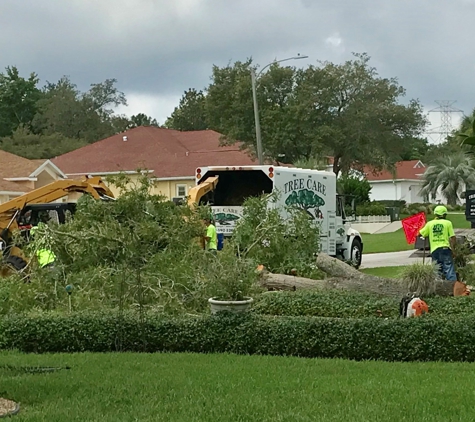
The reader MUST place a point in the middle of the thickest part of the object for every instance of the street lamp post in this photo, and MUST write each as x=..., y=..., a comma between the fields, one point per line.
x=256, y=108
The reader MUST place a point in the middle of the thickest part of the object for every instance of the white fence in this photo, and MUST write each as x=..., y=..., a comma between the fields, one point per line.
x=373, y=219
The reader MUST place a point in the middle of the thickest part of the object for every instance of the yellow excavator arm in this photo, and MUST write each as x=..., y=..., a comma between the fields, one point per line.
x=94, y=186
x=197, y=192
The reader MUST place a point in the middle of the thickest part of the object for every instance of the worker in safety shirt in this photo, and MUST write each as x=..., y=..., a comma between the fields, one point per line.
x=45, y=257
x=442, y=242
x=211, y=238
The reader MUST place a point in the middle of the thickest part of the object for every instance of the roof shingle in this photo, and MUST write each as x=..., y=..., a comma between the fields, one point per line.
x=169, y=153
x=12, y=166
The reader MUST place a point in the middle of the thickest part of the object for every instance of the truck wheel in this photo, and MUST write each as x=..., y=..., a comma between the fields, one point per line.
x=356, y=253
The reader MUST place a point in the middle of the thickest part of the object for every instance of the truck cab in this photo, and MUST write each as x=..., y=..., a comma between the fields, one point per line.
x=225, y=188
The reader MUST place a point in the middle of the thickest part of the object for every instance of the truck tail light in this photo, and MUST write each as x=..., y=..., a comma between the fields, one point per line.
x=271, y=172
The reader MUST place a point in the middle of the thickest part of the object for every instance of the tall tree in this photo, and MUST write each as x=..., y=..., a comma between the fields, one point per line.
x=33, y=145
x=65, y=110
x=364, y=122
x=190, y=113
x=343, y=110
x=18, y=100
x=451, y=175
x=142, y=119
x=122, y=123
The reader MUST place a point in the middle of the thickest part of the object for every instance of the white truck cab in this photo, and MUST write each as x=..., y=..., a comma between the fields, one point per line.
x=225, y=189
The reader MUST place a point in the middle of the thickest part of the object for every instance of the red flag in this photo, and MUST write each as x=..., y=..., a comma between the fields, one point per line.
x=411, y=226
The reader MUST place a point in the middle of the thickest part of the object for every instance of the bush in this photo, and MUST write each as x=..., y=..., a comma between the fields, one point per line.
x=393, y=203
x=332, y=304
x=371, y=208
x=420, y=278
x=414, y=339
x=346, y=304
x=354, y=186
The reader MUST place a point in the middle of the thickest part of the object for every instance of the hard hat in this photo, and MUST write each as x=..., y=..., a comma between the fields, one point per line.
x=440, y=210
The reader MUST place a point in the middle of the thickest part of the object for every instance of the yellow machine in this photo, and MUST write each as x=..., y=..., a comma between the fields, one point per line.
x=197, y=192
x=25, y=211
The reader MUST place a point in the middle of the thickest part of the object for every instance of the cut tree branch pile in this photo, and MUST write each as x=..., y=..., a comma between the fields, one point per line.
x=344, y=277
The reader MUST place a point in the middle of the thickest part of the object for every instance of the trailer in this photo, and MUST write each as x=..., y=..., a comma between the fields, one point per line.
x=314, y=192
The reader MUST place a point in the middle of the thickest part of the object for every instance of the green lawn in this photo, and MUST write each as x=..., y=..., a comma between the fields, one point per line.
x=189, y=388
x=385, y=242
x=388, y=272
x=396, y=241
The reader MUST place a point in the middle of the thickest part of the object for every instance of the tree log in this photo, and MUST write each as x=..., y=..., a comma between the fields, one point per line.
x=344, y=277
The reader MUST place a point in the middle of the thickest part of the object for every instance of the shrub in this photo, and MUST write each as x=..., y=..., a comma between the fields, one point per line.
x=354, y=186
x=416, y=208
x=412, y=339
x=393, y=203
x=348, y=304
x=420, y=278
x=467, y=274
x=326, y=303
x=371, y=208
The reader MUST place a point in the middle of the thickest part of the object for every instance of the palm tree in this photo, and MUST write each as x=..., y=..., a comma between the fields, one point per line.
x=451, y=174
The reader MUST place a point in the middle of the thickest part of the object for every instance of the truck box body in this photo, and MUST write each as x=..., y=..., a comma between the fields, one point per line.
x=312, y=191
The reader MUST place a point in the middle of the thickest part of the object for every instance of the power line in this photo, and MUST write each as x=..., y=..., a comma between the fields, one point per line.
x=446, y=110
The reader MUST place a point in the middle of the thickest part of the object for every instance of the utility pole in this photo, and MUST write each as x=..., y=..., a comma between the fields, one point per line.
x=260, y=154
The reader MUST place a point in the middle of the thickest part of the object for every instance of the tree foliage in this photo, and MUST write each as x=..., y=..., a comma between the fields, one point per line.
x=18, y=100
x=354, y=186
x=45, y=122
x=35, y=146
x=346, y=111
x=190, y=113
x=451, y=175
x=142, y=252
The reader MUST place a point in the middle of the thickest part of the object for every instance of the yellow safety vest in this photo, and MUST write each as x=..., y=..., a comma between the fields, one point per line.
x=44, y=256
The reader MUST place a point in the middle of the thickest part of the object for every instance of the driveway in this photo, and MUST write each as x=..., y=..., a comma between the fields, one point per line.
x=392, y=259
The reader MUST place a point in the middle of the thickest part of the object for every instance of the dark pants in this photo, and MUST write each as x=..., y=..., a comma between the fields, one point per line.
x=443, y=257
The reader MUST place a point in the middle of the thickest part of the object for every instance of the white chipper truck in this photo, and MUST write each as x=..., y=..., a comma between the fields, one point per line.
x=313, y=191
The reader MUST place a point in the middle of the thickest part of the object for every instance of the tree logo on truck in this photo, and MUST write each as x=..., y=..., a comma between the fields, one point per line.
x=225, y=219
x=306, y=200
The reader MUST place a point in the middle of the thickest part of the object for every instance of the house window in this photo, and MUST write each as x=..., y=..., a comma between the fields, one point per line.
x=181, y=191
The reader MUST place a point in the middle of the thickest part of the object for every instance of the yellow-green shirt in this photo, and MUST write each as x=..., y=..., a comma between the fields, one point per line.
x=213, y=237
x=439, y=232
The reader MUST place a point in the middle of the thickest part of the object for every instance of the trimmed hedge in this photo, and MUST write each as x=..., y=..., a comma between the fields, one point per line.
x=416, y=339
x=345, y=304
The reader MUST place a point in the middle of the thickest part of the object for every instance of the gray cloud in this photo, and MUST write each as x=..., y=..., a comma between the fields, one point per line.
x=162, y=47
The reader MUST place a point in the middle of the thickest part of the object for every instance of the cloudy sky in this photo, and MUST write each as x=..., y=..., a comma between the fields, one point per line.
x=157, y=49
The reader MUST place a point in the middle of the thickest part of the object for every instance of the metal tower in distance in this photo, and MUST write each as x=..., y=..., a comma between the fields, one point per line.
x=445, y=129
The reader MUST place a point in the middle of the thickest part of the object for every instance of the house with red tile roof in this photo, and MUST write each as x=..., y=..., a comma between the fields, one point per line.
x=171, y=157
x=19, y=175
x=402, y=185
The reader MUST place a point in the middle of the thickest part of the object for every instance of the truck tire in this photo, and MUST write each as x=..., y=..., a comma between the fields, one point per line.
x=356, y=253
x=16, y=262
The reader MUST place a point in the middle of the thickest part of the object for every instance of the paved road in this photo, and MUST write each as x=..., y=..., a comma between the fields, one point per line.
x=391, y=259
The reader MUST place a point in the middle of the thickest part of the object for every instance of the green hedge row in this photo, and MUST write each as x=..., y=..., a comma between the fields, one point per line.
x=416, y=339
x=344, y=304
